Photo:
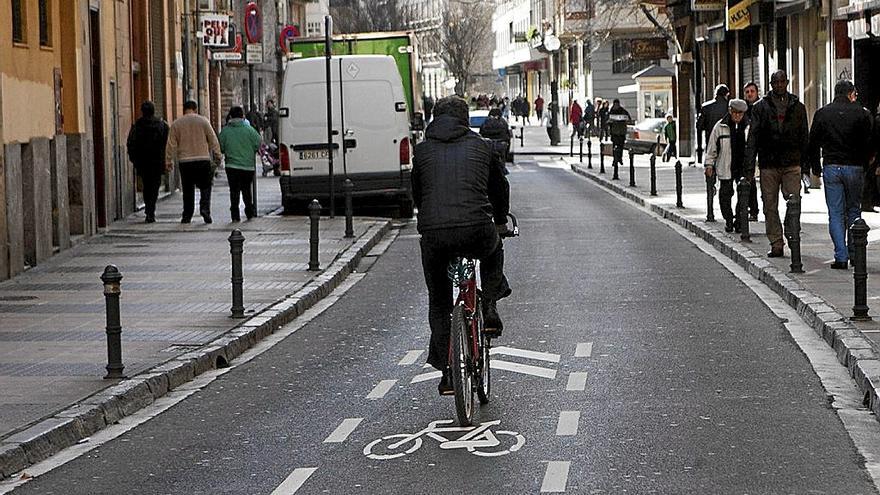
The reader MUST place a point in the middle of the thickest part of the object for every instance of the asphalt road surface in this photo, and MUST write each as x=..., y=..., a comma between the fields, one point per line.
x=631, y=362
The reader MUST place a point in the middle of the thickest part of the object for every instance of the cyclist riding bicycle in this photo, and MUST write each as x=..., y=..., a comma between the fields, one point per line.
x=463, y=200
x=498, y=130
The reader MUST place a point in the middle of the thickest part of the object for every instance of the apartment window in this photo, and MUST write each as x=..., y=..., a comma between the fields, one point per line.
x=45, y=23
x=622, y=61
x=19, y=20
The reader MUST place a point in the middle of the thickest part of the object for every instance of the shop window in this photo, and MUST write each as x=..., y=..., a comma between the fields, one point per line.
x=45, y=23
x=622, y=61
x=19, y=20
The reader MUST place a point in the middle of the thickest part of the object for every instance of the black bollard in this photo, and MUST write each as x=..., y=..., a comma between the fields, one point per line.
x=590, y=153
x=112, y=291
x=859, y=235
x=793, y=231
x=571, y=145
x=314, y=218
x=581, y=150
x=632, y=170
x=743, y=191
x=614, y=162
x=521, y=136
x=348, y=186
x=236, y=248
x=653, y=160
x=678, y=186
x=601, y=159
x=710, y=198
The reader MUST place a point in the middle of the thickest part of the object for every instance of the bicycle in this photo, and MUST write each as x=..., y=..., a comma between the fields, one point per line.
x=468, y=343
x=480, y=441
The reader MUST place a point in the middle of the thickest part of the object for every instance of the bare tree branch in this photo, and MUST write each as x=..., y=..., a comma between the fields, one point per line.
x=463, y=37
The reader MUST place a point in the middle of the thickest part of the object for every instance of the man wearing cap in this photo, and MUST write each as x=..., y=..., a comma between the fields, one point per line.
x=778, y=139
x=711, y=112
x=842, y=130
x=725, y=154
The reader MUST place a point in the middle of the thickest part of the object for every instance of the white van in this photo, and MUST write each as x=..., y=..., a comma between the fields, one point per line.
x=371, y=132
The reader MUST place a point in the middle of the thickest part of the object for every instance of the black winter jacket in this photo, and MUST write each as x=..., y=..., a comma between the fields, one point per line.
x=495, y=128
x=710, y=113
x=778, y=144
x=619, y=118
x=457, y=180
x=843, y=131
x=146, y=145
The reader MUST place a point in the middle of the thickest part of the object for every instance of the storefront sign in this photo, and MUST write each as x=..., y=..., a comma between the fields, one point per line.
x=215, y=30
x=707, y=5
x=738, y=16
x=649, y=49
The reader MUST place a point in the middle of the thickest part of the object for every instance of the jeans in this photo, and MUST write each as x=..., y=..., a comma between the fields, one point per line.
x=439, y=247
x=843, y=194
x=240, y=182
x=192, y=175
x=772, y=180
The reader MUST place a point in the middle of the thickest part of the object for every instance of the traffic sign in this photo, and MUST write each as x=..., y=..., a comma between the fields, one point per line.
x=254, y=53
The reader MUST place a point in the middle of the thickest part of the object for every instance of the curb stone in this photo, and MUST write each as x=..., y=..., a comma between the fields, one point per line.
x=853, y=349
x=68, y=427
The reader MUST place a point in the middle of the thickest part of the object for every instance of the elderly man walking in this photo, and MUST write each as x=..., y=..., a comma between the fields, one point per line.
x=193, y=144
x=842, y=130
x=778, y=139
x=725, y=152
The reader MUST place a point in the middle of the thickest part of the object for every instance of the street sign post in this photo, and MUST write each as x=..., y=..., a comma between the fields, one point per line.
x=254, y=53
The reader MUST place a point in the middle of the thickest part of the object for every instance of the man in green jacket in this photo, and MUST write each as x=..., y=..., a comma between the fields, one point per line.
x=240, y=143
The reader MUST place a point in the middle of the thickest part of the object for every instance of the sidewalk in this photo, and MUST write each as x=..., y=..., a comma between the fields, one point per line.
x=176, y=297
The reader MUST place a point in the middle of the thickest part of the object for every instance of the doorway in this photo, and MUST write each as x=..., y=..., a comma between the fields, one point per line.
x=97, y=115
x=866, y=53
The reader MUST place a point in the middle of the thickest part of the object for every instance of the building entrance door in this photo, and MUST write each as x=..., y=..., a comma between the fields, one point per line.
x=97, y=115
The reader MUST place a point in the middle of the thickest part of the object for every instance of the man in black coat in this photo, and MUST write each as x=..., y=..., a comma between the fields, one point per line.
x=146, y=150
x=498, y=130
x=618, y=119
x=710, y=113
x=463, y=200
x=778, y=139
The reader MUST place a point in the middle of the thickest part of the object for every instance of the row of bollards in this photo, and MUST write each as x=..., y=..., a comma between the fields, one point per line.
x=792, y=225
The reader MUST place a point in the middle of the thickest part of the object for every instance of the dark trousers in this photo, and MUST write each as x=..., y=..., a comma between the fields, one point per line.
x=240, y=186
x=617, y=149
x=192, y=175
x=669, y=152
x=869, y=190
x=540, y=113
x=725, y=196
x=441, y=246
x=151, y=182
x=753, y=198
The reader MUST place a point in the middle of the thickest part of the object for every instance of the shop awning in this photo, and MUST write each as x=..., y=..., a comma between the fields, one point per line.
x=790, y=7
x=856, y=7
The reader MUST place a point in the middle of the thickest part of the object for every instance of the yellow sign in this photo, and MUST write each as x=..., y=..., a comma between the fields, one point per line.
x=738, y=16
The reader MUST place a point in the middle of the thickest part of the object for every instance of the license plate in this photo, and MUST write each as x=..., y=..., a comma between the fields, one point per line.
x=315, y=155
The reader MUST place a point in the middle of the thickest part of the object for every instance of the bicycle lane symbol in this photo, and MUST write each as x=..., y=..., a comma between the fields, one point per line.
x=478, y=440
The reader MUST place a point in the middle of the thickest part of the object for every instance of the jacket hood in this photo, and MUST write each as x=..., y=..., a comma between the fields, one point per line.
x=446, y=128
x=148, y=122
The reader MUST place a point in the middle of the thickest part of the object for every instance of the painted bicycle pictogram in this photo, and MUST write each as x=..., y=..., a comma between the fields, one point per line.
x=478, y=440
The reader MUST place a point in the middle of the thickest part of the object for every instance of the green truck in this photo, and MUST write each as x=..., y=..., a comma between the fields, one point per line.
x=400, y=45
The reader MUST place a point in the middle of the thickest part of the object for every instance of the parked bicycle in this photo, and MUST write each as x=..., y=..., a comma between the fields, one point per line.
x=468, y=343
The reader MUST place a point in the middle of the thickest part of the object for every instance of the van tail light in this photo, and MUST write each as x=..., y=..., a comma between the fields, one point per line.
x=405, y=154
x=285, y=159
x=635, y=134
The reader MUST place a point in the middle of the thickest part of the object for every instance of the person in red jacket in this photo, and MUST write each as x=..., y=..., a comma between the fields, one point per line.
x=575, y=117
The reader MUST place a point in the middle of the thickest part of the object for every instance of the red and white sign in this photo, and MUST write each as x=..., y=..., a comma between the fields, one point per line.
x=288, y=33
x=253, y=23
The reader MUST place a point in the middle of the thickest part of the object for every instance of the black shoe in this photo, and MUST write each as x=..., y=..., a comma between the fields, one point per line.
x=753, y=218
x=235, y=214
x=728, y=226
x=207, y=218
x=186, y=220
x=492, y=325
x=445, y=386
x=150, y=219
x=839, y=265
x=775, y=252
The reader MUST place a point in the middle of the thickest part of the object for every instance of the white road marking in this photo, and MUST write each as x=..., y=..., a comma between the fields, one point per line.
x=341, y=433
x=431, y=375
x=381, y=389
x=568, y=423
x=577, y=381
x=556, y=477
x=410, y=358
x=522, y=368
x=540, y=356
x=294, y=482
x=584, y=349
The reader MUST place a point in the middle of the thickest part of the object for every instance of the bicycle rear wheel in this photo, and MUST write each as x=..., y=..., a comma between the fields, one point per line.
x=484, y=383
x=462, y=379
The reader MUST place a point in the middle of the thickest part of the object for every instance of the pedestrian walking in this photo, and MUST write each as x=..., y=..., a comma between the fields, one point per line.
x=526, y=112
x=751, y=95
x=498, y=130
x=239, y=144
x=618, y=118
x=842, y=131
x=587, y=120
x=778, y=139
x=574, y=116
x=604, y=130
x=669, y=133
x=271, y=121
x=725, y=154
x=539, y=107
x=192, y=144
x=710, y=113
x=505, y=108
x=146, y=150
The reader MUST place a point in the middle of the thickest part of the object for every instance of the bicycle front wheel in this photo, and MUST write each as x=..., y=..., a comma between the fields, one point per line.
x=462, y=379
x=484, y=381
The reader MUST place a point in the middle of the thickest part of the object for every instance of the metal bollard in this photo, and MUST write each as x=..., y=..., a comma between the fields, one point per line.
x=632, y=170
x=859, y=235
x=348, y=186
x=710, y=198
x=590, y=153
x=678, y=186
x=581, y=150
x=314, y=219
x=571, y=145
x=601, y=159
x=112, y=291
x=743, y=191
x=653, y=160
x=793, y=231
x=614, y=162
x=236, y=248
x=521, y=129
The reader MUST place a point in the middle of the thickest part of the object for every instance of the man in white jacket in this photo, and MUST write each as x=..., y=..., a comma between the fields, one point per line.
x=725, y=153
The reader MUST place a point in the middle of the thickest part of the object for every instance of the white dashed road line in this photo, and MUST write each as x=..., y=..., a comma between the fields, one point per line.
x=522, y=368
x=341, y=433
x=584, y=349
x=431, y=375
x=568, y=423
x=540, y=356
x=577, y=381
x=381, y=389
x=556, y=477
x=294, y=482
x=410, y=358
